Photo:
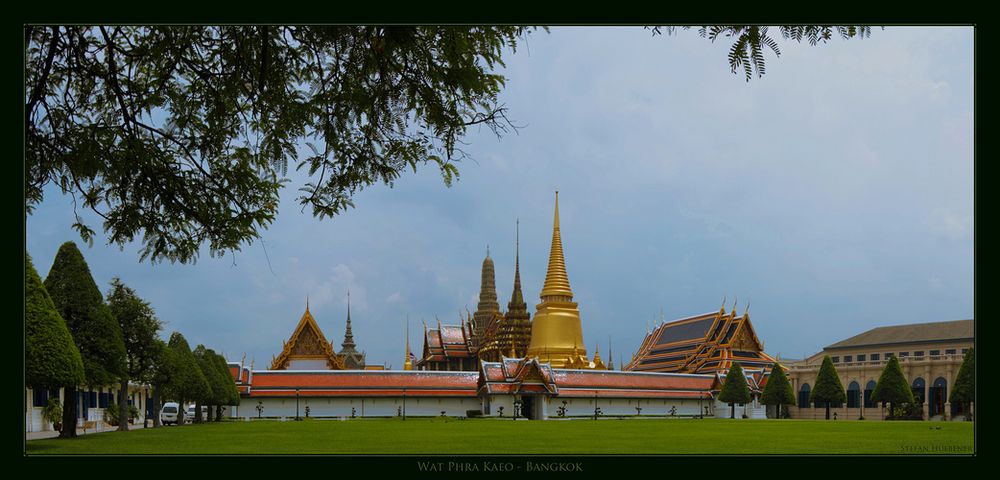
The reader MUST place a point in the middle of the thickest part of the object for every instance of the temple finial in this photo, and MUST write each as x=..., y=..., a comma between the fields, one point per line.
x=307, y=302
x=747, y=310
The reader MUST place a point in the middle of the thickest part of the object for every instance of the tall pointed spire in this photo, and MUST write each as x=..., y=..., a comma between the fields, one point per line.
x=556, y=280
x=516, y=298
x=488, y=306
x=407, y=363
x=352, y=359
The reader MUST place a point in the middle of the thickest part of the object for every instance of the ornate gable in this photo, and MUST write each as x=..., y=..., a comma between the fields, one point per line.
x=307, y=343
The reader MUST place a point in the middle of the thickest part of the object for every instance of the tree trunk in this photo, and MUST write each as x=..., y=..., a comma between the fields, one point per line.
x=180, y=411
x=156, y=407
x=69, y=413
x=218, y=413
x=827, y=410
x=197, y=412
x=732, y=413
x=123, y=416
x=210, y=412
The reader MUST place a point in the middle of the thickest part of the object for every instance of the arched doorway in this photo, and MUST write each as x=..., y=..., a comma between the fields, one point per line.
x=869, y=388
x=937, y=395
x=854, y=395
x=917, y=387
x=804, y=396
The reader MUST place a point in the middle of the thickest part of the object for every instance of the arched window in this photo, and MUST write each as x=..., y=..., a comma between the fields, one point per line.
x=853, y=395
x=804, y=396
x=869, y=387
x=918, y=390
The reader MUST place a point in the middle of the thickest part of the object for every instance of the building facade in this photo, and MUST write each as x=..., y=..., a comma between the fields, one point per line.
x=91, y=403
x=928, y=353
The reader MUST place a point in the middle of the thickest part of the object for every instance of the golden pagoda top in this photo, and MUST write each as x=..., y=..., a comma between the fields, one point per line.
x=556, y=280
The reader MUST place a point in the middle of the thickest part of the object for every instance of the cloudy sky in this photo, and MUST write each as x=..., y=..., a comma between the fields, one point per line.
x=834, y=194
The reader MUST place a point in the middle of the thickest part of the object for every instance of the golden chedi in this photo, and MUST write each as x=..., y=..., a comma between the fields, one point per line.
x=556, y=334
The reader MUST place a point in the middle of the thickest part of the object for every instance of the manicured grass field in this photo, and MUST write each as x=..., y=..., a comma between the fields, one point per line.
x=492, y=436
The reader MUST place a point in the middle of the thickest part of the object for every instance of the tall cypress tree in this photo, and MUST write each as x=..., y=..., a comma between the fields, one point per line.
x=216, y=383
x=162, y=376
x=51, y=359
x=229, y=394
x=777, y=391
x=828, y=387
x=735, y=389
x=892, y=387
x=94, y=329
x=964, y=391
x=188, y=381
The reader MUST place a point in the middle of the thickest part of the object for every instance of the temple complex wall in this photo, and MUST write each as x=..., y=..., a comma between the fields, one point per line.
x=363, y=407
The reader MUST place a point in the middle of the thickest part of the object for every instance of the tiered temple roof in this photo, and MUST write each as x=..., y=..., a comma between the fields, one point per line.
x=308, y=344
x=705, y=343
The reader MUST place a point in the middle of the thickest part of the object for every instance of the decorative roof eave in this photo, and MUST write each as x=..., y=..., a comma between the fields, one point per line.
x=307, y=320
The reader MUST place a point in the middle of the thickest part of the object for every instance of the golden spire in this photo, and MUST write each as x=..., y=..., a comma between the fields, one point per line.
x=407, y=364
x=556, y=280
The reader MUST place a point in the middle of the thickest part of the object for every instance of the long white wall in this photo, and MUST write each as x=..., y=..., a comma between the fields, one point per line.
x=362, y=407
x=624, y=406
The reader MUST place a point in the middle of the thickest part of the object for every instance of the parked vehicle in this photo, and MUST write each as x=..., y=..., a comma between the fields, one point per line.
x=189, y=413
x=168, y=414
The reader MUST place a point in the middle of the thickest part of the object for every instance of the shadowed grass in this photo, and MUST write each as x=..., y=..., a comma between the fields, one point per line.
x=491, y=436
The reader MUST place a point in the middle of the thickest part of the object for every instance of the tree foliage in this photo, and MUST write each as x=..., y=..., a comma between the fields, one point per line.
x=964, y=390
x=94, y=329
x=183, y=135
x=187, y=381
x=751, y=41
x=139, y=326
x=232, y=394
x=778, y=390
x=51, y=359
x=892, y=386
x=828, y=387
x=735, y=389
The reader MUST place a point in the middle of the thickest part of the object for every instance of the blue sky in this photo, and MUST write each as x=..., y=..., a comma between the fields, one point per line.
x=834, y=194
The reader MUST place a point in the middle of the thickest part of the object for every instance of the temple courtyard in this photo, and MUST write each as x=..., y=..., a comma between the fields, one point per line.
x=480, y=436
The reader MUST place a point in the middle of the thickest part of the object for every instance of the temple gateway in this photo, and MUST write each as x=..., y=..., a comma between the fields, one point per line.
x=506, y=364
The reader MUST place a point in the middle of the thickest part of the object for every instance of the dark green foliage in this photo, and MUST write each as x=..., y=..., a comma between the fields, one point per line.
x=218, y=380
x=892, y=387
x=778, y=390
x=232, y=394
x=735, y=389
x=182, y=135
x=51, y=359
x=828, y=388
x=80, y=304
x=139, y=327
x=964, y=390
x=187, y=382
x=750, y=41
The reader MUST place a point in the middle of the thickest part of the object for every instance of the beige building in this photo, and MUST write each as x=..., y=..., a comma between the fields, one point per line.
x=929, y=354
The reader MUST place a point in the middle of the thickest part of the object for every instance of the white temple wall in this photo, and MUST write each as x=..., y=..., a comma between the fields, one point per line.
x=577, y=407
x=362, y=407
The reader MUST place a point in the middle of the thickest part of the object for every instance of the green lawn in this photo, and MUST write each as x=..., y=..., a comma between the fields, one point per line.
x=490, y=436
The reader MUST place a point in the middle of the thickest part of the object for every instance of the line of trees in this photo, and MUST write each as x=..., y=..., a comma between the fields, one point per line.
x=74, y=337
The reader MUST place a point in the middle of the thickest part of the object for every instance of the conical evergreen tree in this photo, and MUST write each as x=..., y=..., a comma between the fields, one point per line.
x=51, y=359
x=735, y=389
x=828, y=387
x=777, y=391
x=231, y=396
x=94, y=329
x=964, y=391
x=892, y=387
x=188, y=383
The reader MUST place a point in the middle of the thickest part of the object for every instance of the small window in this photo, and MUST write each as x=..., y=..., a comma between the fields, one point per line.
x=848, y=359
x=950, y=351
x=965, y=350
x=861, y=357
x=935, y=353
x=889, y=355
x=835, y=359
x=904, y=354
x=41, y=397
x=875, y=357
x=919, y=353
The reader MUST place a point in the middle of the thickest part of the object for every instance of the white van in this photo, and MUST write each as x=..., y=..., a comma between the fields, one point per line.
x=168, y=414
x=189, y=414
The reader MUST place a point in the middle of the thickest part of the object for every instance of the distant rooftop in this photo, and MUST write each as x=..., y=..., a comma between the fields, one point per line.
x=912, y=333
